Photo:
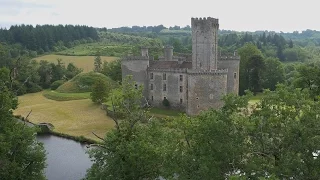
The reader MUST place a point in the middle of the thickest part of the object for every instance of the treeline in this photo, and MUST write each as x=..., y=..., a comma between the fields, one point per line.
x=29, y=76
x=47, y=38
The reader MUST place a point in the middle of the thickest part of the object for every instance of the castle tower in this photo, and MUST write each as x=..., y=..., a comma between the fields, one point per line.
x=204, y=43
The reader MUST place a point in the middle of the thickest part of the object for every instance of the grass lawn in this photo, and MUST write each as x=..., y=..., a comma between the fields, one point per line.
x=256, y=98
x=57, y=96
x=77, y=117
x=84, y=62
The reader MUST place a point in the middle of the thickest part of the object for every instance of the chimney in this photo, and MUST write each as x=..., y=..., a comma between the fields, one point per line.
x=144, y=52
x=168, y=53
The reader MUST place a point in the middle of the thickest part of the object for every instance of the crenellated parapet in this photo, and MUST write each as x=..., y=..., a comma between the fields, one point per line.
x=173, y=70
x=135, y=58
x=212, y=72
x=229, y=58
x=205, y=21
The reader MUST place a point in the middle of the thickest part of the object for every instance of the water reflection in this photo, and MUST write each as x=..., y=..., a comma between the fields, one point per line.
x=66, y=159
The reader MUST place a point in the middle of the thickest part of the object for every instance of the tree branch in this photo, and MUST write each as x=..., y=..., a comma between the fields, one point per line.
x=98, y=136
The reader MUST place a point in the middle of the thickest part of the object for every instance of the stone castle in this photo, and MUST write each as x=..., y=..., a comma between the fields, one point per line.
x=189, y=84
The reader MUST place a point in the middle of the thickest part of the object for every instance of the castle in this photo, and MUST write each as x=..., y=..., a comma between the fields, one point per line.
x=189, y=84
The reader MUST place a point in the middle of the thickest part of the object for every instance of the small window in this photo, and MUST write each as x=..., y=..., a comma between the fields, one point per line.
x=151, y=76
x=235, y=75
x=197, y=98
x=181, y=89
x=151, y=86
x=136, y=86
x=181, y=77
x=151, y=98
x=164, y=87
x=197, y=106
x=181, y=101
x=164, y=76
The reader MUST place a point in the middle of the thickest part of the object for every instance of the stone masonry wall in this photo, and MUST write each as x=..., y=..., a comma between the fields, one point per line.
x=204, y=43
x=233, y=74
x=205, y=91
x=138, y=69
x=172, y=91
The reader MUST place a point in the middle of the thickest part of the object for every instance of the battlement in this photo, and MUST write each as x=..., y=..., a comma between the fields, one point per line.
x=212, y=72
x=135, y=58
x=208, y=20
x=174, y=70
x=229, y=58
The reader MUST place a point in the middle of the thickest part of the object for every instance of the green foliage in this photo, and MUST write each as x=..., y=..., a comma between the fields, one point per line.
x=100, y=91
x=65, y=96
x=113, y=70
x=246, y=53
x=307, y=77
x=255, y=69
x=121, y=154
x=273, y=73
x=56, y=84
x=97, y=63
x=21, y=155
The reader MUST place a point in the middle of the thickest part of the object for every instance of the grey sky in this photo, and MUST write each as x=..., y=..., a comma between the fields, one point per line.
x=241, y=15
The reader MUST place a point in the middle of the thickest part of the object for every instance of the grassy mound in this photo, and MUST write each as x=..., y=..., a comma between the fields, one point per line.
x=83, y=83
x=54, y=95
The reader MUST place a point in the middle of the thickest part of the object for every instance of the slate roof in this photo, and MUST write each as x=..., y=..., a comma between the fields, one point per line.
x=170, y=65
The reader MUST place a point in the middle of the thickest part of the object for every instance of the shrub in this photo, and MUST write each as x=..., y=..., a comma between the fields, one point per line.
x=56, y=84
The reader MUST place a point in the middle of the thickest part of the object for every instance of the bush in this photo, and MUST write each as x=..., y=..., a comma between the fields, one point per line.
x=166, y=102
x=33, y=87
x=56, y=84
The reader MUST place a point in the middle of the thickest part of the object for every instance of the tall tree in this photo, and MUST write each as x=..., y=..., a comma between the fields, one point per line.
x=256, y=66
x=100, y=91
x=273, y=73
x=21, y=155
x=97, y=63
x=246, y=52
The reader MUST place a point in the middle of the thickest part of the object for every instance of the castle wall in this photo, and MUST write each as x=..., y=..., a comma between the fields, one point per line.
x=232, y=64
x=205, y=91
x=204, y=43
x=172, y=91
x=137, y=67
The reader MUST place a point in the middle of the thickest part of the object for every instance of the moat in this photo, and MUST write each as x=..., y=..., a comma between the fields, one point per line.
x=66, y=159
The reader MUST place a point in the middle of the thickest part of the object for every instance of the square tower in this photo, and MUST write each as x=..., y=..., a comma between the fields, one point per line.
x=204, y=43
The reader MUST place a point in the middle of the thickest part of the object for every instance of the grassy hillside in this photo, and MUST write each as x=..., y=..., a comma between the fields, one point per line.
x=83, y=83
x=54, y=95
x=77, y=118
x=84, y=62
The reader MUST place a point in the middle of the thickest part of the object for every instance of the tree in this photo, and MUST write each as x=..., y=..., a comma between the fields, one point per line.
x=21, y=155
x=100, y=91
x=97, y=63
x=72, y=71
x=246, y=52
x=255, y=67
x=307, y=77
x=283, y=141
x=133, y=150
x=113, y=70
x=273, y=74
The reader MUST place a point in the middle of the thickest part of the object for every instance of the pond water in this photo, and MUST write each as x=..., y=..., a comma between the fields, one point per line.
x=66, y=159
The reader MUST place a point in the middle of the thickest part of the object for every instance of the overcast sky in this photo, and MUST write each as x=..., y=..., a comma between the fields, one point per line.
x=240, y=15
